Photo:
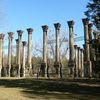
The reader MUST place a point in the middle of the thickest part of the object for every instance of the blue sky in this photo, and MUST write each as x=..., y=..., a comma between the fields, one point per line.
x=22, y=14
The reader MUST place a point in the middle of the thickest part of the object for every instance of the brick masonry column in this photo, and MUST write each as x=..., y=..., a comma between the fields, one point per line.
x=57, y=51
x=10, y=34
x=29, y=54
x=82, y=63
x=71, y=48
x=23, y=59
x=76, y=61
x=19, y=50
x=44, y=63
x=87, y=47
x=2, y=68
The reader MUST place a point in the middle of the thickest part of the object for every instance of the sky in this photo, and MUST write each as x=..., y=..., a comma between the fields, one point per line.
x=23, y=14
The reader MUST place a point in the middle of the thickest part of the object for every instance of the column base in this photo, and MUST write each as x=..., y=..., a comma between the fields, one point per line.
x=3, y=72
x=22, y=72
x=88, y=69
x=57, y=66
x=71, y=66
x=43, y=69
x=12, y=74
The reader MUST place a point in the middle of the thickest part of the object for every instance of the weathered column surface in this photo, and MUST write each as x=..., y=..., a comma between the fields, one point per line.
x=86, y=38
x=82, y=63
x=87, y=46
x=76, y=61
x=29, y=54
x=79, y=62
x=71, y=48
x=9, y=52
x=44, y=63
x=16, y=51
x=2, y=69
x=23, y=59
x=19, y=50
x=57, y=52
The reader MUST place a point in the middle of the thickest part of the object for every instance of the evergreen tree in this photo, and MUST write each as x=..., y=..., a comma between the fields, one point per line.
x=93, y=12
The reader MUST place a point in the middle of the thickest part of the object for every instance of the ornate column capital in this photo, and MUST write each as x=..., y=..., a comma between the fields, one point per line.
x=90, y=25
x=19, y=32
x=75, y=46
x=10, y=34
x=70, y=23
x=78, y=48
x=24, y=43
x=57, y=26
x=2, y=36
x=30, y=30
x=45, y=28
x=81, y=49
x=85, y=21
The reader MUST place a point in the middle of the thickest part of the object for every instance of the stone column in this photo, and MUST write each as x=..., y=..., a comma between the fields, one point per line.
x=19, y=50
x=87, y=49
x=2, y=68
x=82, y=63
x=76, y=61
x=91, y=49
x=16, y=51
x=57, y=52
x=71, y=48
x=44, y=63
x=29, y=54
x=22, y=70
x=79, y=62
x=86, y=38
x=9, y=52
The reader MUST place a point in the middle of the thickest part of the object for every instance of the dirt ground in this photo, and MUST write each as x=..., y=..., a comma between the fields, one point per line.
x=33, y=89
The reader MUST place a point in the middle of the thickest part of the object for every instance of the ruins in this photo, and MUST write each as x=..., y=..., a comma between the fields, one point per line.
x=83, y=62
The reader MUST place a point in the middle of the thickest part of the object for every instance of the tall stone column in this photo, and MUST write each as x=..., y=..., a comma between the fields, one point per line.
x=23, y=59
x=16, y=51
x=91, y=49
x=30, y=30
x=19, y=50
x=57, y=52
x=86, y=38
x=9, y=52
x=44, y=63
x=2, y=68
x=76, y=61
x=87, y=47
x=79, y=62
x=82, y=63
x=71, y=48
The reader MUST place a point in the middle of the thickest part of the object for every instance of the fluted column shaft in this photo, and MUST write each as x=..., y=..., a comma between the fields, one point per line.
x=16, y=51
x=9, y=52
x=30, y=30
x=45, y=28
x=57, y=31
x=71, y=63
x=79, y=62
x=23, y=58
x=44, y=63
x=86, y=39
x=71, y=41
x=19, y=50
x=76, y=61
x=1, y=53
x=82, y=63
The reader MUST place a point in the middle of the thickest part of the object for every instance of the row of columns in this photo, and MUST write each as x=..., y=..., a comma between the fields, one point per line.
x=20, y=54
x=77, y=61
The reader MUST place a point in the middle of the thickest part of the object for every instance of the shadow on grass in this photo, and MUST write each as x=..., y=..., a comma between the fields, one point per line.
x=53, y=87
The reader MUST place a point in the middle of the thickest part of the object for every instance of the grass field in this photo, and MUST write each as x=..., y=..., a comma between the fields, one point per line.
x=41, y=89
